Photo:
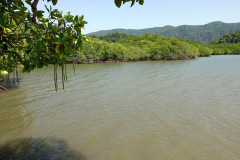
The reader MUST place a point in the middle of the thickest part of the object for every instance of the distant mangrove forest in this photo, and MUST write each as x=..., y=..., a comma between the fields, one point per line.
x=121, y=47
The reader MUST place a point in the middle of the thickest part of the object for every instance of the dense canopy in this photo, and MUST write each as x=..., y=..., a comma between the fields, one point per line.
x=28, y=40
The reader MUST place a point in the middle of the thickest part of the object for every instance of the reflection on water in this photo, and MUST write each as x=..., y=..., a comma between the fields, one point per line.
x=146, y=110
x=39, y=149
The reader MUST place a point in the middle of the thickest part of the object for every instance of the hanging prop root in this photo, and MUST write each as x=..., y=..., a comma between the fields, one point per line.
x=2, y=87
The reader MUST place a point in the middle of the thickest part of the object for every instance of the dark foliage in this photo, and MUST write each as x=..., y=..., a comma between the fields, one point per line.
x=111, y=37
x=228, y=38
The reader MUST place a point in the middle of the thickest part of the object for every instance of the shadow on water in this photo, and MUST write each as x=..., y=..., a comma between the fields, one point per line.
x=38, y=149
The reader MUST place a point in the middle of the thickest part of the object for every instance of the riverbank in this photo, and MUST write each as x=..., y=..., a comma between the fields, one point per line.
x=141, y=60
x=129, y=60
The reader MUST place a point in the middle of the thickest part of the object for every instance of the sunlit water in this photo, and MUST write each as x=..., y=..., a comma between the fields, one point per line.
x=171, y=110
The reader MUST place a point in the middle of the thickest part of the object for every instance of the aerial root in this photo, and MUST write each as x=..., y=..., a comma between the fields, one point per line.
x=2, y=88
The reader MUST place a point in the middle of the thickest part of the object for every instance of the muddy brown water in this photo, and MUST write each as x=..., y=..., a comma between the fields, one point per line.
x=166, y=110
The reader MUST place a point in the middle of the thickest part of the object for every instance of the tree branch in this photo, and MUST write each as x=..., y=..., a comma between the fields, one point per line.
x=34, y=7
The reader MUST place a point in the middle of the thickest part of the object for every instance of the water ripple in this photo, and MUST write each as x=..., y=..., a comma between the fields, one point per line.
x=144, y=110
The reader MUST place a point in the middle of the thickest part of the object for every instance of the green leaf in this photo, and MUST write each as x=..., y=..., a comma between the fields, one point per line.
x=70, y=18
x=54, y=2
x=67, y=14
x=84, y=22
x=28, y=39
x=81, y=18
x=141, y=2
x=55, y=11
x=9, y=30
x=24, y=9
x=59, y=23
x=46, y=8
x=40, y=14
x=118, y=3
x=16, y=7
x=124, y=1
x=132, y=3
x=28, y=2
x=29, y=18
x=40, y=26
x=58, y=15
x=29, y=48
x=26, y=27
x=4, y=18
x=76, y=19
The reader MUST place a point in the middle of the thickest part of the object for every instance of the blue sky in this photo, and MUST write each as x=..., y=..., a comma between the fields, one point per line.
x=104, y=15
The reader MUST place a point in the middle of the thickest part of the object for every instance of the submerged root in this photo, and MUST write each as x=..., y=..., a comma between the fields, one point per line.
x=3, y=87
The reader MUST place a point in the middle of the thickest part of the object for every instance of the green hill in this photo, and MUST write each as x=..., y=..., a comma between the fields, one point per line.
x=111, y=37
x=228, y=38
x=202, y=33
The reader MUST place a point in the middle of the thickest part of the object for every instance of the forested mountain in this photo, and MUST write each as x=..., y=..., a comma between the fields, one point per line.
x=202, y=33
x=111, y=37
x=228, y=38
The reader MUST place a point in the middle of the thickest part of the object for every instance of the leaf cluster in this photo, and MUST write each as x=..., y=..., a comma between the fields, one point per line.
x=51, y=39
x=111, y=37
x=118, y=3
x=228, y=38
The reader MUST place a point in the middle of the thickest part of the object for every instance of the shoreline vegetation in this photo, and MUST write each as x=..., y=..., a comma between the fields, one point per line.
x=119, y=47
x=30, y=41
x=123, y=61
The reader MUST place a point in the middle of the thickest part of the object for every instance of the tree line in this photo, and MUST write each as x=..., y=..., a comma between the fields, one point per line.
x=122, y=47
x=137, y=48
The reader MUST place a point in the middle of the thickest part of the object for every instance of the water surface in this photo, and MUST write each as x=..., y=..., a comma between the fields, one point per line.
x=167, y=110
